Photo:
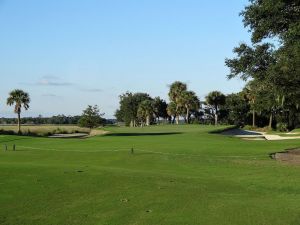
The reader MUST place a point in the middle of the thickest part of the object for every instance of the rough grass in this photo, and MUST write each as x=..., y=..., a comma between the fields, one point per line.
x=285, y=134
x=43, y=130
x=177, y=175
x=296, y=130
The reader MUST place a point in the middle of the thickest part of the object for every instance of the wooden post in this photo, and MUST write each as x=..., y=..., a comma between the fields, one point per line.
x=14, y=147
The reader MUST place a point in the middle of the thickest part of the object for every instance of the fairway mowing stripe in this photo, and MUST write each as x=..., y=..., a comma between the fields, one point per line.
x=147, y=151
x=61, y=150
x=183, y=154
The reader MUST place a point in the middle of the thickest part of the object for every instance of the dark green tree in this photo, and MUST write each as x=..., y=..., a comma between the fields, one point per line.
x=91, y=117
x=273, y=21
x=215, y=99
x=172, y=111
x=175, y=94
x=145, y=112
x=236, y=108
x=129, y=104
x=160, y=108
x=190, y=101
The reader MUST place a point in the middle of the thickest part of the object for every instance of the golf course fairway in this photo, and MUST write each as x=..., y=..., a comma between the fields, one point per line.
x=159, y=175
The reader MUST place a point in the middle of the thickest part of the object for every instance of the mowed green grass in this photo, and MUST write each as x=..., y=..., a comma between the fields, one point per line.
x=178, y=175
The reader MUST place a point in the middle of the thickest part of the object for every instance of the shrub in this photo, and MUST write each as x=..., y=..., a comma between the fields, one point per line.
x=249, y=127
x=282, y=127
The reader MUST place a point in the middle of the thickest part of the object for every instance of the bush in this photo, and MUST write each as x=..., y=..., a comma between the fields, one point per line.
x=282, y=127
x=249, y=127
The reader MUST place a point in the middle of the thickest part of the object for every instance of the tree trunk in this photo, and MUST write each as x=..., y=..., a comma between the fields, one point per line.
x=19, y=122
x=187, y=115
x=253, y=118
x=216, y=116
x=177, y=115
x=216, y=119
x=270, y=121
x=147, y=120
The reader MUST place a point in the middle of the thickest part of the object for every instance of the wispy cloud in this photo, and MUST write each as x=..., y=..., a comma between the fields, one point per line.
x=51, y=95
x=45, y=82
x=50, y=80
x=55, y=81
x=91, y=90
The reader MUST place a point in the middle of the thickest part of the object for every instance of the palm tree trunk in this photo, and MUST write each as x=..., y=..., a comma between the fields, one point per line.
x=216, y=116
x=187, y=115
x=177, y=115
x=253, y=118
x=216, y=119
x=19, y=122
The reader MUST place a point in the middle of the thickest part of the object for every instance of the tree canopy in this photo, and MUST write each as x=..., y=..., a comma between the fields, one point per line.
x=91, y=117
x=272, y=61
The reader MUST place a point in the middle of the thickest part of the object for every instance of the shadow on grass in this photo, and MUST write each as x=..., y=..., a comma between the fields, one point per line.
x=220, y=130
x=240, y=132
x=140, y=134
x=12, y=140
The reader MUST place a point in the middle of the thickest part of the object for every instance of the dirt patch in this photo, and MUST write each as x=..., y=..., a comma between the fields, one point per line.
x=290, y=156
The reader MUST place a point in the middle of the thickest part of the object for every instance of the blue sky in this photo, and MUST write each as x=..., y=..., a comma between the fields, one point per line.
x=71, y=53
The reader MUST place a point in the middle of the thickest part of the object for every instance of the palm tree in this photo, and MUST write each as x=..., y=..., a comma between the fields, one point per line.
x=215, y=99
x=175, y=93
x=190, y=101
x=171, y=110
x=250, y=96
x=145, y=111
x=160, y=108
x=20, y=99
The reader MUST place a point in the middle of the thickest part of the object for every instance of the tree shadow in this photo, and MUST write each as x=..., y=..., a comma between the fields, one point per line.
x=240, y=132
x=140, y=134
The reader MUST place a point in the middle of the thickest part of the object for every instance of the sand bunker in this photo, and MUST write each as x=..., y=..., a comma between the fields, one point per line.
x=291, y=156
x=254, y=135
x=79, y=135
x=75, y=135
x=98, y=132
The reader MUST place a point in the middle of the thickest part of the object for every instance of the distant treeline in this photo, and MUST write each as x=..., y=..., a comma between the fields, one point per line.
x=58, y=119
